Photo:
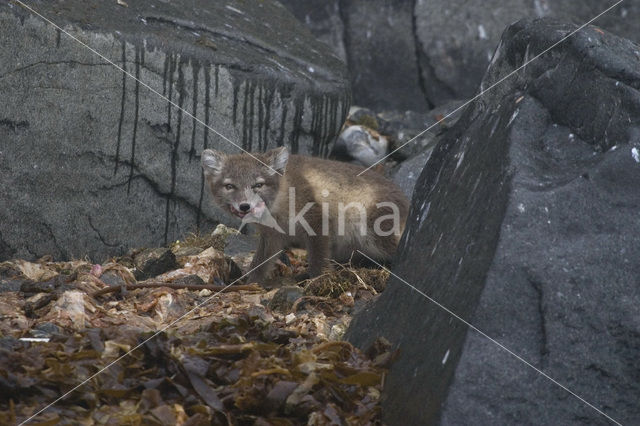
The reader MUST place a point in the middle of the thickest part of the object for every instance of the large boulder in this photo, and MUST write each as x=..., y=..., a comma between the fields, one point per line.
x=458, y=37
x=524, y=223
x=410, y=54
x=376, y=39
x=93, y=162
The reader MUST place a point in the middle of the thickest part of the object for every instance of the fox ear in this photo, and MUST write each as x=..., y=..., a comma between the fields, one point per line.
x=213, y=161
x=277, y=159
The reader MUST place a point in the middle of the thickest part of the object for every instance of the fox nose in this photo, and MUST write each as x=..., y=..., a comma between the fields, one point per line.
x=244, y=207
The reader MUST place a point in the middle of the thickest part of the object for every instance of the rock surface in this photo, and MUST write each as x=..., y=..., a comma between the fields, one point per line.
x=525, y=224
x=93, y=162
x=414, y=54
x=376, y=39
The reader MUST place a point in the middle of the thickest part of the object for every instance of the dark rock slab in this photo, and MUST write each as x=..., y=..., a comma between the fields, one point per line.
x=323, y=18
x=380, y=43
x=377, y=41
x=407, y=173
x=457, y=38
x=524, y=223
x=93, y=162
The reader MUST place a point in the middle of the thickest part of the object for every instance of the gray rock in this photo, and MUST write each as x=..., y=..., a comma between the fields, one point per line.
x=377, y=40
x=526, y=226
x=414, y=55
x=408, y=172
x=189, y=280
x=381, y=54
x=240, y=244
x=324, y=20
x=113, y=279
x=284, y=298
x=45, y=329
x=457, y=38
x=93, y=162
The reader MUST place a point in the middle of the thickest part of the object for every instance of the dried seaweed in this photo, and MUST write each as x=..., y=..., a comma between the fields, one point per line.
x=229, y=359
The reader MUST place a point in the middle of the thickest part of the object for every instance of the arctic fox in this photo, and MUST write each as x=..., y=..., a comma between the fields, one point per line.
x=320, y=205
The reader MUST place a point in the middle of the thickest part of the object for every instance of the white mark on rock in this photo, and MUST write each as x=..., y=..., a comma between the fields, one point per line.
x=482, y=33
x=446, y=357
x=234, y=9
x=311, y=70
x=513, y=117
x=542, y=8
x=425, y=213
x=635, y=154
x=521, y=208
x=35, y=339
x=461, y=155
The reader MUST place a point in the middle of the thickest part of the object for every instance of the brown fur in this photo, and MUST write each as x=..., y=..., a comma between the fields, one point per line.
x=309, y=176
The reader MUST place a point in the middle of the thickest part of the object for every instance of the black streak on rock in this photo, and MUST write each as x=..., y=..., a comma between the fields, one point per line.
x=270, y=92
x=174, y=154
x=172, y=70
x=196, y=71
x=205, y=142
x=235, y=103
x=122, y=104
x=217, y=70
x=139, y=59
x=261, y=144
x=252, y=97
x=297, y=122
x=14, y=125
x=165, y=70
x=282, y=123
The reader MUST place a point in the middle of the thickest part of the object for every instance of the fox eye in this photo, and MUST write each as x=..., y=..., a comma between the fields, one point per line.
x=229, y=187
x=258, y=185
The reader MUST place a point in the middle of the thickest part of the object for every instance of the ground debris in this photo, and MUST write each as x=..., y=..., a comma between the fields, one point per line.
x=211, y=354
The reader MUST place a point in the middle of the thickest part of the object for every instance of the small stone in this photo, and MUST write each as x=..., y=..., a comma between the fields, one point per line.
x=290, y=318
x=285, y=297
x=187, y=251
x=204, y=292
x=152, y=262
x=44, y=330
x=192, y=279
x=112, y=279
x=40, y=287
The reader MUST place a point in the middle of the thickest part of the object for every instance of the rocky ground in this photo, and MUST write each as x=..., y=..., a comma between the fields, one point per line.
x=180, y=347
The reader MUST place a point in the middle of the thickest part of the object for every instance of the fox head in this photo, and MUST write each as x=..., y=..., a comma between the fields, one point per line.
x=240, y=183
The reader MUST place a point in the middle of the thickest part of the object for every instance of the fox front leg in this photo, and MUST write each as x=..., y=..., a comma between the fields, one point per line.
x=268, y=245
x=317, y=254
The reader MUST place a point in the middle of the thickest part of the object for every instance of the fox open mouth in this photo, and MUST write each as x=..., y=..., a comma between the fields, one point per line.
x=237, y=212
